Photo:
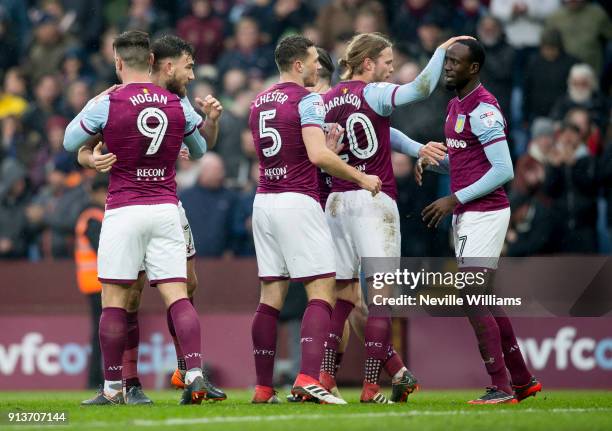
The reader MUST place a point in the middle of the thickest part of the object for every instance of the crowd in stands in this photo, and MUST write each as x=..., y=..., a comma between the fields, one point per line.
x=549, y=63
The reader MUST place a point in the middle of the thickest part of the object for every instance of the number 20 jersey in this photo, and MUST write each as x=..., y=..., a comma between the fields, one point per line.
x=276, y=120
x=144, y=129
x=367, y=135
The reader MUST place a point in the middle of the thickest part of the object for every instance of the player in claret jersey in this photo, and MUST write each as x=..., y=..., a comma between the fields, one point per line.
x=172, y=69
x=144, y=125
x=362, y=225
x=479, y=165
x=399, y=142
x=292, y=239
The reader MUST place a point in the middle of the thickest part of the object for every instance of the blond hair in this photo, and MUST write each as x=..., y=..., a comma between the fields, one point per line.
x=360, y=47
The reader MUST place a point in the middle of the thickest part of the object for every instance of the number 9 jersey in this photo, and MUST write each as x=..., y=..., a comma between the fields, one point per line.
x=144, y=126
x=367, y=145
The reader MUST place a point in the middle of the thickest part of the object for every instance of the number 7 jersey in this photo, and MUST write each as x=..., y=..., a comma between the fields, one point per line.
x=276, y=121
x=367, y=136
x=144, y=126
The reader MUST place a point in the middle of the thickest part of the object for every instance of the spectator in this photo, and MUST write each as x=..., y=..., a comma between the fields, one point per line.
x=244, y=244
x=546, y=76
x=143, y=15
x=280, y=17
x=87, y=239
x=336, y=19
x=571, y=182
x=413, y=12
x=47, y=50
x=209, y=207
x=430, y=34
x=44, y=158
x=55, y=209
x=12, y=99
x=14, y=196
x=589, y=132
x=523, y=20
x=10, y=48
x=85, y=20
x=103, y=62
x=203, y=30
x=74, y=67
x=249, y=54
x=496, y=73
x=77, y=96
x=46, y=93
x=467, y=16
x=231, y=126
x=370, y=18
x=530, y=167
x=585, y=28
x=582, y=92
x=17, y=143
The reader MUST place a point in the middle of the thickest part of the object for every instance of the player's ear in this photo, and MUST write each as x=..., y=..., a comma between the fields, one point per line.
x=474, y=68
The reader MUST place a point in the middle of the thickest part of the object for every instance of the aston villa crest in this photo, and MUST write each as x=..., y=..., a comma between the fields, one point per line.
x=460, y=123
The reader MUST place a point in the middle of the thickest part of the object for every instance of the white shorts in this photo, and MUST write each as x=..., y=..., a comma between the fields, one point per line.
x=135, y=234
x=363, y=226
x=479, y=237
x=188, y=235
x=292, y=239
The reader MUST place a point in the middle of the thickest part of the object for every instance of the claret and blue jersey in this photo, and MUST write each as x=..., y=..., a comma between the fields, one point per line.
x=144, y=126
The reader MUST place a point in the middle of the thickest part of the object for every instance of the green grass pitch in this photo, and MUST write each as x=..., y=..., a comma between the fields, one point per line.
x=426, y=410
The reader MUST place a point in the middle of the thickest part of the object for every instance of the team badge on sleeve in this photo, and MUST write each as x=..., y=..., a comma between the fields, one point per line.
x=460, y=123
x=488, y=119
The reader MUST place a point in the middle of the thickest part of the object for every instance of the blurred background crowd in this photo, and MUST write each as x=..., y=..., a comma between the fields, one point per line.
x=549, y=63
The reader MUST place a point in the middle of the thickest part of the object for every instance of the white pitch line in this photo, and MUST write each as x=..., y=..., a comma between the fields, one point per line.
x=316, y=416
x=320, y=416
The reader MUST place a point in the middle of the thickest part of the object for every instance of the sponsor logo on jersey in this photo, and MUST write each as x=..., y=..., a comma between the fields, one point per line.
x=455, y=143
x=460, y=123
x=153, y=173
x=276, y=173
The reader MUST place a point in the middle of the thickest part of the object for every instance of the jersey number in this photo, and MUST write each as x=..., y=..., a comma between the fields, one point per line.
x=370, y=134
x=269, y=132
x=155, y=133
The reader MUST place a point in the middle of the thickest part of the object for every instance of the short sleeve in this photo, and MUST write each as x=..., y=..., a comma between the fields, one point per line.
x=193, y=120
x=95, y=115
x=312, y=110
x=488, y=124
x=381, y=97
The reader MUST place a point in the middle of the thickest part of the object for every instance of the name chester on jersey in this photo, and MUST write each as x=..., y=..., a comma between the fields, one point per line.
x=350, y=99
x=274, y=96
x=148, y=98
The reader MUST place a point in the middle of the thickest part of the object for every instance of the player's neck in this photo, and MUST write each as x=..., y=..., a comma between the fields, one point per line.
x=361, y=77
x=290, y=77
x=469, y=87
x=133, y=76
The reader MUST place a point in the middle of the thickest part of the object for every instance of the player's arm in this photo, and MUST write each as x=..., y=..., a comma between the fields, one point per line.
x=194, y=141
x=213, y=109
x=312, y=115
x=401, y=143
x=384, y=97
x=89, y=122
